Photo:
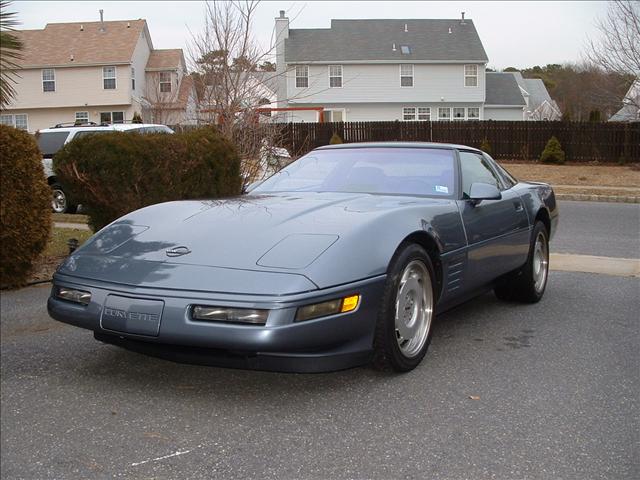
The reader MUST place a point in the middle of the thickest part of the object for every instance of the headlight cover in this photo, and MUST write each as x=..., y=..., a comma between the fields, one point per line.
x=229, y=315
x=330, y=307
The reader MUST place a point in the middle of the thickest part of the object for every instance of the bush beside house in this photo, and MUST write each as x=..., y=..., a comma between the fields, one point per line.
x=116, y=173
x=25, y=210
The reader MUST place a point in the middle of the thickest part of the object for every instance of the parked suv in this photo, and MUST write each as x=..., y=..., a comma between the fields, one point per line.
x=53, y=139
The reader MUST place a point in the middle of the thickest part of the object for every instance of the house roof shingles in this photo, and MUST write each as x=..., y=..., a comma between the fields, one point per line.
x=81, y=43
x=165, y=59
x=503, y=89
x=371, y=40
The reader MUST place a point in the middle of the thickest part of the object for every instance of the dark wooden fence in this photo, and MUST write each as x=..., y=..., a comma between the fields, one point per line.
x=581, y=141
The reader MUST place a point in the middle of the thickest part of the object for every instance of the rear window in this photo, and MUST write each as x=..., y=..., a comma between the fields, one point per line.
x=51, y=142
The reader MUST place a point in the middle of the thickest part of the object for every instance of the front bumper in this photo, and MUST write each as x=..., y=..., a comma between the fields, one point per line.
x=325, y=344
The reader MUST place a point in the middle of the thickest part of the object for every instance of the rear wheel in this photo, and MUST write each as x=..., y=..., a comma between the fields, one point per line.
x=528, y=283
x=60, y=201
x=403, y=329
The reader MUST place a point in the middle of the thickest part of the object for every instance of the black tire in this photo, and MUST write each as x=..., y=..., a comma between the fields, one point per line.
x=60, y=202
x=522, y=285
x=387, y=351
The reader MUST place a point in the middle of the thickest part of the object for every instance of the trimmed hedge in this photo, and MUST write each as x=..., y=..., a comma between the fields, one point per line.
x=25, y=209
x=113, y=174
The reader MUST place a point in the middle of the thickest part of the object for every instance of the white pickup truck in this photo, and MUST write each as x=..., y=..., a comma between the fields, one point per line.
x=50, y=140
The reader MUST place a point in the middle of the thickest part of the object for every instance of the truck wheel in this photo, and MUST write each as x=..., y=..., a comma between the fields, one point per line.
x=60, y=201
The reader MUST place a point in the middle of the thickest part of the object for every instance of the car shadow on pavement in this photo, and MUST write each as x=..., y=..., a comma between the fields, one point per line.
x=474, y=324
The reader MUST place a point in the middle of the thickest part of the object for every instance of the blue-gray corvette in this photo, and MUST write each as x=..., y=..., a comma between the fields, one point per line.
x=340, y=259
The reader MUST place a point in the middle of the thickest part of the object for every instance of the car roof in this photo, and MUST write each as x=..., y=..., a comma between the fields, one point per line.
x=117, y=126
x=448, y=146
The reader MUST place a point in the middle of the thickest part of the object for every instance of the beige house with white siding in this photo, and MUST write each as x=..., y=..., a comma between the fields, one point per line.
x=100, y=72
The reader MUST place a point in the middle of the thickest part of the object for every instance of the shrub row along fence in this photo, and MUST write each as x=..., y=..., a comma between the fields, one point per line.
x=581, y=141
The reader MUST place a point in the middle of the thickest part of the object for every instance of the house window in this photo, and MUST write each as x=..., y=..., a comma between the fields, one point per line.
x=18, y=121
x=473, y=113
x=111, y=117
x=335, y=76
x=406, y=75
x=409, y=114
x=424, y=113
x=165, y=82
x=458, y=113
x=405, y=49
x=470, y=75
x=302, y=76
x=444, y=113
x=48, y=80
x=133, y=78
x=109, y=78
x=334, y=115
x=82, y=117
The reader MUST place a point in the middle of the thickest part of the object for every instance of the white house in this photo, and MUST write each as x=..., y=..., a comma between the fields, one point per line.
x=412, y=70
x=630, y=112
x=100, y=72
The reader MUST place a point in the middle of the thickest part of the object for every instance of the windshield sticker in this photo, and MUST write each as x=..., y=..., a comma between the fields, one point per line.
x=442, y=189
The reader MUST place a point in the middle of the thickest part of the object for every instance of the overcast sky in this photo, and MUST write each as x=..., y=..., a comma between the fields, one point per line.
x=519, y=34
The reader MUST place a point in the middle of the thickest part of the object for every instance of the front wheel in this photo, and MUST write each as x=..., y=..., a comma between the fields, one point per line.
x=403, y=328
x=529, y=282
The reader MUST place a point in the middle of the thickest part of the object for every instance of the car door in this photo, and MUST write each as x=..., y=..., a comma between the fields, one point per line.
x=497, y=230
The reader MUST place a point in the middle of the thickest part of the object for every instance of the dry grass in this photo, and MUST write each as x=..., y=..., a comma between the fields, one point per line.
x=69, y=218
x=587, y=179
x=56, y=251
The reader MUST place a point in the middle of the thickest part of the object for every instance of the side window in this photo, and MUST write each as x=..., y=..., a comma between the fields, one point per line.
x=476, y=168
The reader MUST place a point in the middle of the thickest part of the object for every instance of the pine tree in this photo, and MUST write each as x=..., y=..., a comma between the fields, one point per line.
x=553, y=152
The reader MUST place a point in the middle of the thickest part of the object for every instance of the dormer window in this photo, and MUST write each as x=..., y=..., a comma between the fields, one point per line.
x=165, y=82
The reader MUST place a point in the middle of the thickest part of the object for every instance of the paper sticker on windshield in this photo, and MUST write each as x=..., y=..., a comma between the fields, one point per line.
x=442, y=189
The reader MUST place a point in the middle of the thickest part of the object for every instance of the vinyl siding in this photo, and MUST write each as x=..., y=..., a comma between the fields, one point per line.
x=514, y=113
x=39, y=118
x=373, y=83
x=139, y=62
x=376, y=112
x=75, y=86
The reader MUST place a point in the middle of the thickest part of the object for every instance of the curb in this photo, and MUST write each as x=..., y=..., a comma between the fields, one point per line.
x=580, y=197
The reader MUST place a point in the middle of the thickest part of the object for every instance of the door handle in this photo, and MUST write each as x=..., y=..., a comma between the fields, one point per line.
x=518, y=206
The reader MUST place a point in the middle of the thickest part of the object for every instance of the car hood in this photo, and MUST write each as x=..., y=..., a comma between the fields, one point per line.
x=284, y=233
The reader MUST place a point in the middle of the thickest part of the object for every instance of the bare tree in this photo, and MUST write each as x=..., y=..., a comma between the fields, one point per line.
x=161, y=97
x=618, y=48
x=225, y=57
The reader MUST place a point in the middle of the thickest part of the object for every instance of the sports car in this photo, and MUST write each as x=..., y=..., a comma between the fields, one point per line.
x=342, y=258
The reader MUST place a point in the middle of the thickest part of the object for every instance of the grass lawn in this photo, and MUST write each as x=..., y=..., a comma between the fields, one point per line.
x=577, y=178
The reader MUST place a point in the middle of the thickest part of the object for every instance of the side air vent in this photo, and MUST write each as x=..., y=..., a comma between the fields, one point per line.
x=454, y=277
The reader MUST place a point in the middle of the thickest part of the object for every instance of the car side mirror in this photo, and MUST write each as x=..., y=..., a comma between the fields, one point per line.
x=483, y=191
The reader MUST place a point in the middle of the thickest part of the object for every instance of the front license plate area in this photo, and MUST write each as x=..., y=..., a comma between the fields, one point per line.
x=132, y=315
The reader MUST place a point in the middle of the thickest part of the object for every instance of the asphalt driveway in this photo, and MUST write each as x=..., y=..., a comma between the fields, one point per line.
x=506, y=391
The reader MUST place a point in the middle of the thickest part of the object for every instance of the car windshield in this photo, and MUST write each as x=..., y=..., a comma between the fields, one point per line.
x=390, y=171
